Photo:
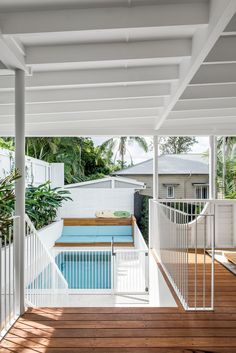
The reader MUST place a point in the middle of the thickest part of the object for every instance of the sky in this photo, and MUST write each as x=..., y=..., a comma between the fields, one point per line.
x=139, y=155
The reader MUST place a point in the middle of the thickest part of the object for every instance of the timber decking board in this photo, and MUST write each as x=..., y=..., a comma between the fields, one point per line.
x=97, y=221
x=231, y=256
x=130, y=330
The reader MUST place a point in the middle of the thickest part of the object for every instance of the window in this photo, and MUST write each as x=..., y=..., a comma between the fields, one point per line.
x=202, y=192
x=170, y=191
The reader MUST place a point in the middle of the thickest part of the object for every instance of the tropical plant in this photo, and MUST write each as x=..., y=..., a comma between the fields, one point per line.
x=7, y=200
x=119, y=146
x=82, y=160
x=42, y=203
x=144, y=219
x=176, y=144
x=7, y=143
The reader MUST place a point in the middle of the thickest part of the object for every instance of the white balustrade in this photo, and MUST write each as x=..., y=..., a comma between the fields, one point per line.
x=181, y=234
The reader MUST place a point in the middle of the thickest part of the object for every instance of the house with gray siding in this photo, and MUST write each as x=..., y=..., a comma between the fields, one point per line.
x=181, y=176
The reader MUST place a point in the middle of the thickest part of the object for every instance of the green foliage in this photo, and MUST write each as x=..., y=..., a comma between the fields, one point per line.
x=7, y=143
x=7, y=200
x=176, y=144
x=144, y=220
x=42, y=203
x=231, y=195
x=119, y=146
x=82, y=160
x=228, y=164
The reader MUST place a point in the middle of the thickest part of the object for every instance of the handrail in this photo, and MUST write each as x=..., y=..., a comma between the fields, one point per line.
x=8, y=276
x=31, y=225
x=177, y=242
x=44, y=283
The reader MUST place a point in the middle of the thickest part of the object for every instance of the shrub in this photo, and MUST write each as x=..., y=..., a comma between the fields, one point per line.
x=42, y=203
x=144, y=220
x=7, y=200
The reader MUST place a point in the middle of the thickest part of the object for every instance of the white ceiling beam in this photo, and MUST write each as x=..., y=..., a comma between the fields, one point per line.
x=203, y=121
x=205, y=103
x=88, y=93
x=223, y=51
x=114, y=128
x=10, y=55
x=209, y=91
x=66, y=107
x=109, y=18
x=221, y=13
x=202, y=113
x=215, y=73
x=86, y=116
x=72, y=78
x=224, y=127
x=108, y=52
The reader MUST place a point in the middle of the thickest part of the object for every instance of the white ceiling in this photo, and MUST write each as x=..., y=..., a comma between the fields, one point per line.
x=120, y=67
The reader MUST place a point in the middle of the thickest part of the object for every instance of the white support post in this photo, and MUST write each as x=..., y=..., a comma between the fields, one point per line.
x=155, y=167
x=224, y=167
x=20, y=186
x=212, y=167
x=152, y=215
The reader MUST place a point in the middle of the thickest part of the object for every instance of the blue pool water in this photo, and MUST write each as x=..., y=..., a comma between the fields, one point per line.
x=86, y=270
x=96, y=234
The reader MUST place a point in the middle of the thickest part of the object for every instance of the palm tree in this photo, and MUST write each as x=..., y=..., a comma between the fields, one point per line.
x=119, y=146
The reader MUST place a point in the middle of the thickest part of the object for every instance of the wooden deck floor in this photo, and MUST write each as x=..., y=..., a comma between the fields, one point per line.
x=126, y=330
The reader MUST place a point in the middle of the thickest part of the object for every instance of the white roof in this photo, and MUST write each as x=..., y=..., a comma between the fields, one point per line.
x=120, y=67
x=132, y=183
x=171, y=164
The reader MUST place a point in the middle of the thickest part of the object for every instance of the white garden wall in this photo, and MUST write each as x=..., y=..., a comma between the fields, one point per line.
x=87, y=201
x=49, y=234
x=225, y=225
x=37, y=171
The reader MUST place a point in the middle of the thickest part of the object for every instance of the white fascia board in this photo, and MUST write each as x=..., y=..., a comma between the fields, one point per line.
x=76, y=78
x=109, y=18
x=221, y=13
x=108, y=52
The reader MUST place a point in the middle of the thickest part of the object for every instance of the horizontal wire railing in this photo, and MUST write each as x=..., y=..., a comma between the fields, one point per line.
x=8, y=308
x=44, y=282
x=181, y=234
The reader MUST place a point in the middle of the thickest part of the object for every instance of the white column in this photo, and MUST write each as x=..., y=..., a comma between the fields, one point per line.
x=20, y=184
x=224, y=167
x=212, y=167
x=155, y=168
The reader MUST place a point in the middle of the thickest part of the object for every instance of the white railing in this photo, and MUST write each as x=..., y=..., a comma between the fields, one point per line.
x=131, y=271
x=181, y=234
x=139, y=241
x=86, y=270
x=44, y=282
x=104, y=271
x=8, y=305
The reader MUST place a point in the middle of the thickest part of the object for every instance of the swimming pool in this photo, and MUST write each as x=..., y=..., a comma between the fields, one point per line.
x=96, y=234
x=86, y=269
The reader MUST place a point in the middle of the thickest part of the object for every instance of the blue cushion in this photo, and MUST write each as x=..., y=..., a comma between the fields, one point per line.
x=97, y=230
x=94, y=239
